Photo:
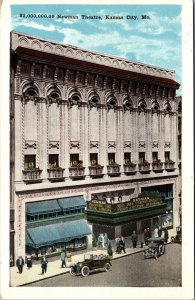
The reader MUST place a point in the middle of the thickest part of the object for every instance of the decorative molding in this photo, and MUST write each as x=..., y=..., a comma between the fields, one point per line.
x=94, y=144
x=142, y=144
x=167, y=144
x=30, y=42
x=54, y=144
x=112, y=144
x=75, y=144
x=127, y=145
x=155, y=145
x=30, y=144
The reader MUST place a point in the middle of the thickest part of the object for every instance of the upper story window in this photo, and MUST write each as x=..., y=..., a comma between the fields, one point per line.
x=29, y=162
x=167, y=155
x=142, y=157
x=53, y=160
x=127, y=157
x=111, y=158
x=154, y=156
x=93, y=159
x=31, y=92
x=75, y=161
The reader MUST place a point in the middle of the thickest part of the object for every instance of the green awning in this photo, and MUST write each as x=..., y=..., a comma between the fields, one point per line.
x=72, y=202
x=39, y=207
x=55, y=233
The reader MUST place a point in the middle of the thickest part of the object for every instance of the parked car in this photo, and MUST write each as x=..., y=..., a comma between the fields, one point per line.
x=178, y=237
x=156, y=247
x=91, y=262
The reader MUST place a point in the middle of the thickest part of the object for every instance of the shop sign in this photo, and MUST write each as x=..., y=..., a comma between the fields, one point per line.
x=135, y=203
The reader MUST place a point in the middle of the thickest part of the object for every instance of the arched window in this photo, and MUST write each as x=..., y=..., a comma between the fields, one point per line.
x=54, y=95
x=112, y=103
x=167, y=108
x=94, y=102
x=155, y=107
x=75, y=99
x=31, y=92
x=127, y=104
x=142, y=106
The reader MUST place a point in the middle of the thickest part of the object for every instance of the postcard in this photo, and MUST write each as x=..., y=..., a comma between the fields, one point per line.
x=96, y=150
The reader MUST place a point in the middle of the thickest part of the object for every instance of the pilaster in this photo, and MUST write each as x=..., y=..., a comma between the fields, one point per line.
x=19, y=136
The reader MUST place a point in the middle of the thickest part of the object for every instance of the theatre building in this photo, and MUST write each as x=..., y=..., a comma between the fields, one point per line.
x=94, y=146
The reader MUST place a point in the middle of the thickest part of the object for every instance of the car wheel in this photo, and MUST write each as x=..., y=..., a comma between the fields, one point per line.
x=72, y=271
x=85, y=271
x=156, y=254
x=163, y=249
x=107, y=267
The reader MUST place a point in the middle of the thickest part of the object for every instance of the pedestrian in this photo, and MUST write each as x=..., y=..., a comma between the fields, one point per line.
x=118, y=249
x=159, y=231
x=106, y=241
x=44, y=263
x=20, y=264
x=166, y=235
x=156, y=232
x=146, y=236
x=122, y=244
x=134, y=239
x=149, y=233
x=69, y=257
x=63, y=259
x=100, y=241
x=29, y=262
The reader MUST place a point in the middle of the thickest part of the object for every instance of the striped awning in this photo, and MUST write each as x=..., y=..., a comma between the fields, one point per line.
x=54, y=233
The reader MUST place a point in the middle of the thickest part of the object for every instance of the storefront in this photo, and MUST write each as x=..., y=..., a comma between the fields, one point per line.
x=123, y=218
x=166, y=191
x=55, y=225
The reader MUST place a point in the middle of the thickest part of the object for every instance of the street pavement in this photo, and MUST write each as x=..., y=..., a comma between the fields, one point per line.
x=54, y=267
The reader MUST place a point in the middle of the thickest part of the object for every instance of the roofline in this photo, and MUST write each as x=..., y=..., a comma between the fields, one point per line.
x=125, y=63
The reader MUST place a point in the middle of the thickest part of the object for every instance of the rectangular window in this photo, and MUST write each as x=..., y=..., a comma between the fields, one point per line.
x=29, y=162
x=154, y=156
x=167, y=155
x=74, y=160
x=127, y=157
x=93, y=159
x=111, y=158
x=141, y=157
x=53, y=160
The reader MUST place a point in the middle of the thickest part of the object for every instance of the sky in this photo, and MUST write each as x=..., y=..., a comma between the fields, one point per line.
x=155, y=40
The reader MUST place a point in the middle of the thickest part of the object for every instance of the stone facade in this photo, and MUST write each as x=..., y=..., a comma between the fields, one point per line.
x=88, y=123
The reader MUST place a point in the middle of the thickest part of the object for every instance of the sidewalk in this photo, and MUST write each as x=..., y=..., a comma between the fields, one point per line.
x=54, y=267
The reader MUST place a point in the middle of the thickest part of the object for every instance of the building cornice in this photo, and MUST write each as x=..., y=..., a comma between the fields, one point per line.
x=88, y=58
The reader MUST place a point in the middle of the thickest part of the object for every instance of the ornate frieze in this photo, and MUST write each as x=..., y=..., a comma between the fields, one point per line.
x=21, y=40
x=30, y=144
x=94, y=144
x=127, y=145
x=112, y=144
x=167, y=144
x=54, y=144
x=142, y=144
x=74, y=144
x=155, y=145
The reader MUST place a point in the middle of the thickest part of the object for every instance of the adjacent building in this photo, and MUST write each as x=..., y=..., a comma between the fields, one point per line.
x=94, y=146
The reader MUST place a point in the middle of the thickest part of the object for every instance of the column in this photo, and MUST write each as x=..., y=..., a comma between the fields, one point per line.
x=19, y=128
x=66, y=140
x=103, y=139
x=42, y=158
x=148, y=137
x=119, y=141
x=62, y=135
x=85, y=137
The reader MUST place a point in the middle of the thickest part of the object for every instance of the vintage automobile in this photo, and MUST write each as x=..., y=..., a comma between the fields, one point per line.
x=156, y=248
x=91, y=262
x=178, y=237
